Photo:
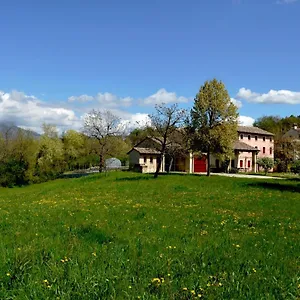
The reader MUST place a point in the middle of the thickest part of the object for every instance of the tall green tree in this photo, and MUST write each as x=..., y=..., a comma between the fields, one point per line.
x=213, y=121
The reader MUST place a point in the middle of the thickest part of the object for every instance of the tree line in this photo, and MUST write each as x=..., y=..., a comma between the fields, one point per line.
x=209, y=127
x=26, y=158
x=284, y=147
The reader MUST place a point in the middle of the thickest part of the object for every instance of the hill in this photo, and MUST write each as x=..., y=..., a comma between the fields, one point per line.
x=12, y=130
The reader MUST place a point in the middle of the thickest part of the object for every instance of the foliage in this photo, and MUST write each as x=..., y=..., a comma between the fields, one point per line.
x=138, y=134
x=266, y=163
x=114, y=237
x=213, y=121
x=284, y=147
x=276, y=124
x=295, y=168
x=165, y=121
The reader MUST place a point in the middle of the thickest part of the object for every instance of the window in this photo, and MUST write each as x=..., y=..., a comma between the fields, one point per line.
x=271, y=150
x=264, y=138
x=242, y=136
x=249, y=164
x=241, y=163
x=255, y=147
x=256, y=137
x=151, y=160
x=145, y=159
x=264, y=149
x=271, y=139
x=249, y=137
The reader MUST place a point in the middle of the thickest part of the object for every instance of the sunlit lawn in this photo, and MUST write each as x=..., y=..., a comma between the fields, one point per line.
x=128, y=236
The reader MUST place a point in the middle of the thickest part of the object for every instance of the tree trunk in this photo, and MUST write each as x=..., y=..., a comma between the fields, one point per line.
x=158, y=166
x=208, y=162
x=101, y=163
x=170, y=165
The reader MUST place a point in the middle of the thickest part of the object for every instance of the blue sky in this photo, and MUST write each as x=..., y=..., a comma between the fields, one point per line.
x=59, y=59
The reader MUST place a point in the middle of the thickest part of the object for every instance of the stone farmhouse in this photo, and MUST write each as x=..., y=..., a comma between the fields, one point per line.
x=251, y=143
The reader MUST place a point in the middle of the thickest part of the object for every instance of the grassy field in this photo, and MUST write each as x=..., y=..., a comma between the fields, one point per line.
x=128, y=236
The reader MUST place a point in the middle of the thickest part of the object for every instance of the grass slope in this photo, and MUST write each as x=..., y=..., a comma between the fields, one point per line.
x=128, y=236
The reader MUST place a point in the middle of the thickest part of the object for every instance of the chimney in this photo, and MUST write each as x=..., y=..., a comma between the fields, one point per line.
x=295, y=126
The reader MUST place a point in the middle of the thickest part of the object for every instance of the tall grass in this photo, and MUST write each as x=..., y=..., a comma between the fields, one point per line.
x=128, y=236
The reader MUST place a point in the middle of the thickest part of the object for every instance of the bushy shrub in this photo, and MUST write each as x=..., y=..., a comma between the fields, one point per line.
x=295, y=168
x=281, y=165
x=266, y=163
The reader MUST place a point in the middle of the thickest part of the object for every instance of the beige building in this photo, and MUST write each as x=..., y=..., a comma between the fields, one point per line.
x=252, y=143
x=144, y=160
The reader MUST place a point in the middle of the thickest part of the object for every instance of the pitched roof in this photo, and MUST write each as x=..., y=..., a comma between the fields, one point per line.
x=145, y=150
x=243, y=147
x=254, y=130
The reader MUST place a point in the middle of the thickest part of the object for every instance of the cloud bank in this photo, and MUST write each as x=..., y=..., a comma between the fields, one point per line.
x=273, y=96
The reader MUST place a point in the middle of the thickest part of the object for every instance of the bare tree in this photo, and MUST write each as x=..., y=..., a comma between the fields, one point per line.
x=165, y=121
x=103, y=126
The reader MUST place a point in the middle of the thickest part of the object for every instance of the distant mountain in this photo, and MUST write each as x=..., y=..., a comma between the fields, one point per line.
x=12, y=130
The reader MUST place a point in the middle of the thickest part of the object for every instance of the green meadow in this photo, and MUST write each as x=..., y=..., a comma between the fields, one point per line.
x=129, y=236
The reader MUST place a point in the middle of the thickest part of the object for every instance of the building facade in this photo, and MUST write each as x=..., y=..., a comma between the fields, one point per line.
x=252, y=143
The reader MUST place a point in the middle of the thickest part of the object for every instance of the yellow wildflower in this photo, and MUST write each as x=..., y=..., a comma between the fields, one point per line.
x=8, y=274
x=184, y=289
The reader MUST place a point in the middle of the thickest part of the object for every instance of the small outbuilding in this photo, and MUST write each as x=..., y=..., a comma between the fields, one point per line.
x=144, y=160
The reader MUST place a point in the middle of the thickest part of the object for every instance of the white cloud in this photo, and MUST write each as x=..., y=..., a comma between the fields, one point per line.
x=108, y=100
x=246, y=121
x=105, y=100
x=163, y=96
x=82, y=98
x=132, y=121
x=236, y=102
x=29, y=112
x=286, y=1
x=273, y=96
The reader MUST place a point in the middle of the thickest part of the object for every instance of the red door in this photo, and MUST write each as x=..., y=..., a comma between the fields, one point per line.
x=200, y=164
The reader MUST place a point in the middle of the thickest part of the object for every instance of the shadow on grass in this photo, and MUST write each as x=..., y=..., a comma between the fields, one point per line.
x=75, y=175
x=136, y=178
x=276, y=186
x=92, y=234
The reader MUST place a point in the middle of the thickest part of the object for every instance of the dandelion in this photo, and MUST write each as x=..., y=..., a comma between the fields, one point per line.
x=220, y=284
x=94, y=254
x=130, y=287
x=199, y=296
x=156, y=281
x=184, y=289
x=193, y=292
x=8, y=274
x=254, y=270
